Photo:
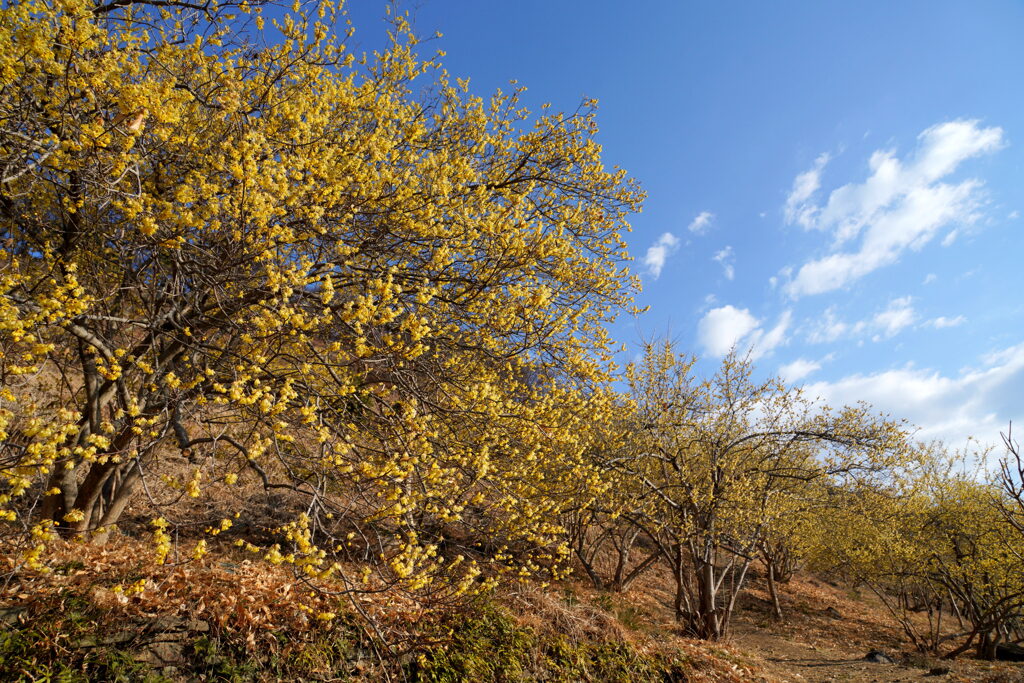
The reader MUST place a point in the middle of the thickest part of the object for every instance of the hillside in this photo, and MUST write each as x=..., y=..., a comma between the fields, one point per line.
x=103, y=615
x=310, y=370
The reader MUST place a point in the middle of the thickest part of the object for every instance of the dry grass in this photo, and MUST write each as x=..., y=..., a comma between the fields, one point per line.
x=245, y=597
x=252, y=603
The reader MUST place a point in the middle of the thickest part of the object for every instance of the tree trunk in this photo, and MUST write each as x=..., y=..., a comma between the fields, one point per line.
x=589, y=569
x=623, y=584
x=773, y=590
x=987, y=646
x=680, y=601
x=710, y=627
x=117, y=503
x=57, y=505
x=624, y=550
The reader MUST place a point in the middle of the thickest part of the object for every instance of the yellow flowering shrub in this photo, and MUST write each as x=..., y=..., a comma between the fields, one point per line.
x=267, y=263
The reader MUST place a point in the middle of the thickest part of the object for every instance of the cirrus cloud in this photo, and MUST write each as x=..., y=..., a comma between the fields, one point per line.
x=725, y=258
x=798, y=369
x=902, y=205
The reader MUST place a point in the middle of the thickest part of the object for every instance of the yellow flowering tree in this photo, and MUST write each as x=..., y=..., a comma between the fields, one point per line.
x=789, y=532
x=722, y=459
x=936, y=548
x=1010, y=480
x=603, y=531
x=877, y=536
x=976, y=557
x=233, y=253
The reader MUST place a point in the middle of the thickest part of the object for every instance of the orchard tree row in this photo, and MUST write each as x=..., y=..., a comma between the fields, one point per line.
x=712, y=475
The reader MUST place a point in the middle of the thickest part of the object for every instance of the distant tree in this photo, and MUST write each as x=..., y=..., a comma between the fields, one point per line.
x=720, y=460
x=936, y=544
x=606, y=526
x=788, y=534
x=876, y=536
x=1010, y=480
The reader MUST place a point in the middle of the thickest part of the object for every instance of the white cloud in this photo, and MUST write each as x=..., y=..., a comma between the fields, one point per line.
x=1014, y=215
x=831, y=328
x=898, y=315
x=930, y=278
x=726, y=327
x=785, y=273
x=979, y=402
x=908, y=226
x=902, y=205
x=943, y=322
x=725, y=257
x=798, y=211
x=659, y=252
x=708, y=301
x=798, y=369
x=722, y=328
x=701, y=223
x=762, y=343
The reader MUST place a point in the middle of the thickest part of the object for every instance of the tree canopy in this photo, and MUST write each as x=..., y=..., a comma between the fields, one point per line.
x=233, y=251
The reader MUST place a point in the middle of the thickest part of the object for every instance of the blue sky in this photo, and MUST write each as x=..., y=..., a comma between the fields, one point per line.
x=833, y=185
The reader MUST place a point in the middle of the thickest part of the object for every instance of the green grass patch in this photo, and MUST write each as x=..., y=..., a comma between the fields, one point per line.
x=486, y=644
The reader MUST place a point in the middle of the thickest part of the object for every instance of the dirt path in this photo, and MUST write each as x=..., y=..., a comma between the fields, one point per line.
x=827, y=631
x=811, y=662
x=794, y=659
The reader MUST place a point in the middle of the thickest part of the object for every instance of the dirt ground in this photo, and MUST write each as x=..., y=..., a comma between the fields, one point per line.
x=827, y=632
x=788, y=659
x=792, y=660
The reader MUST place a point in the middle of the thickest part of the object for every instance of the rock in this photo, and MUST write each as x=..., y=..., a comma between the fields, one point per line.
x=11, y=615
x=120, y=638
x=877, y=657
x=165, y=624
x=938, y=671
x=162, y=653
x=197, y=626
x=165, y=639
x=1007, y=652
x=833, y=612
